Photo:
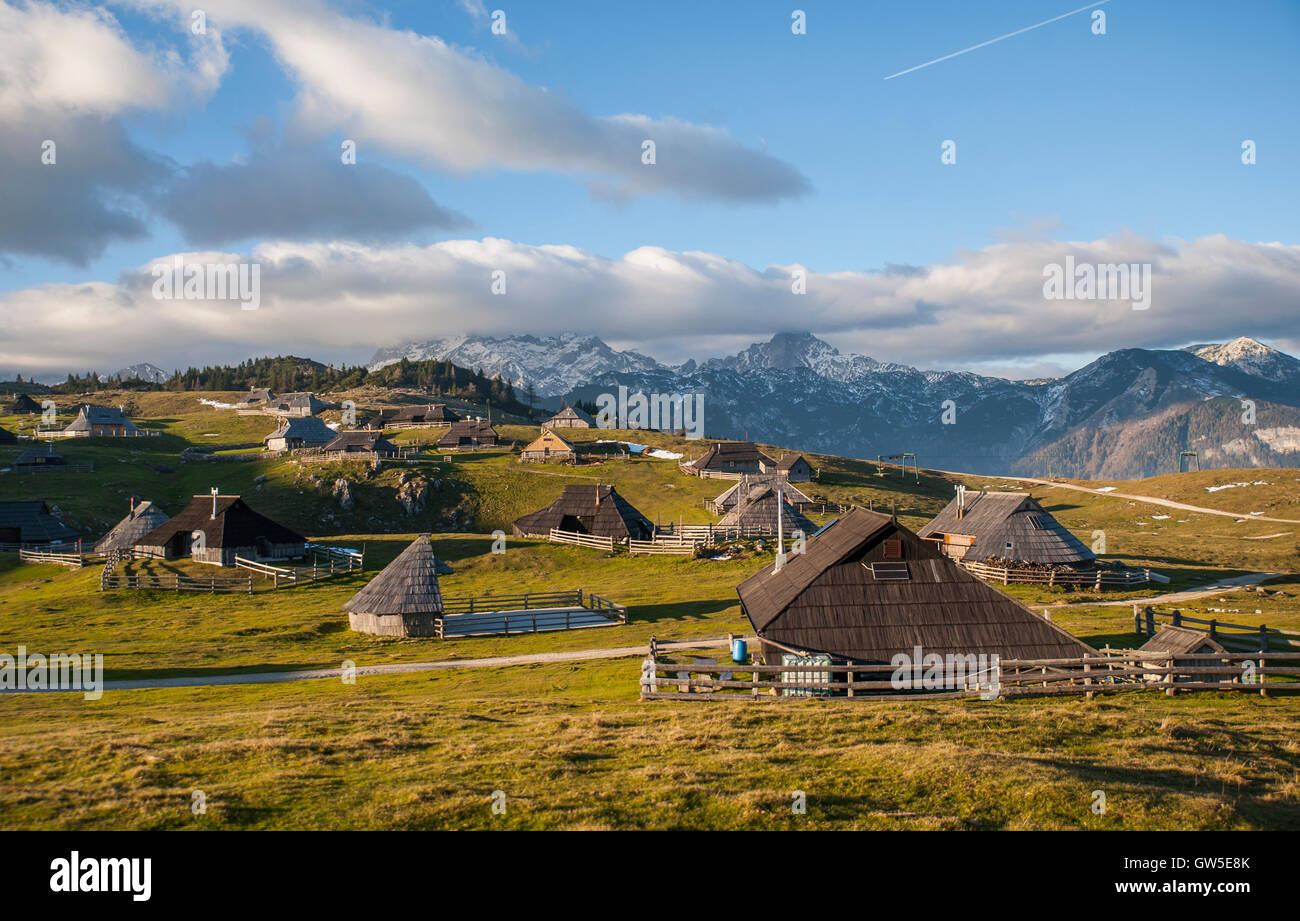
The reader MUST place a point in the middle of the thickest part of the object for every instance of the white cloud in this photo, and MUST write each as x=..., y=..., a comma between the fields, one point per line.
x=341, y=300
x=450, y=108
x=78, y=61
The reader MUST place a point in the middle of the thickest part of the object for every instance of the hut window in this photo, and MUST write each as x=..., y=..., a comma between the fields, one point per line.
x=890, y=572
x=893, y=549
x=1009, y=549
x=1036, y=522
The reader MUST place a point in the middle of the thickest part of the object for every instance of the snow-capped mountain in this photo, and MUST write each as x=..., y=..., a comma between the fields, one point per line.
x=1127, y=414
x=1253, y=357
x=554, y=365
x=144, y=371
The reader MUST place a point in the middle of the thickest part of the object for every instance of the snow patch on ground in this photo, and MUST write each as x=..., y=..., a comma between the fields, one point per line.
x=1106, y=489
x=1235, y=485
x=217, y=404
x=642, y=449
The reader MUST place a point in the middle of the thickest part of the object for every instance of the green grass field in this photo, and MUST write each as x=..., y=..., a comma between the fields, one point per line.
x=571, y=745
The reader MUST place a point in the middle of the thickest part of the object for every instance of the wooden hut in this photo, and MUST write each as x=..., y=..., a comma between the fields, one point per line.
x=549, y=447
x=298, y=405
x=866, y=589
x=731, y=457
x=467, y=435
x=101, y=421
x=404, y=599
x=1003, y=527
x=570, y=417
x=584, y=509
x=23, y=405
x=295, y=433
x=1176, y=641
x=758, y=510
x=727, y=499
x=40, y=457
x=258, y=396
x=795, y=468
x=7, y=437
x=30, y=523
x=227, y=528
x=143, y=518
x=412, y=417
x=361, y=442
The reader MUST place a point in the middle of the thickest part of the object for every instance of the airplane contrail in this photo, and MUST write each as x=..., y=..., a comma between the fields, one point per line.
x=999, y=38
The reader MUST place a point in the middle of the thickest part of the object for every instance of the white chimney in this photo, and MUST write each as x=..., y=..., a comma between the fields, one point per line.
x=961, y=500
x=215, y=490
x=780, y=535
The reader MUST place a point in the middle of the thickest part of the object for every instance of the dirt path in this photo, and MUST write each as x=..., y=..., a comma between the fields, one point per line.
x=397, y=668
x=1191, y=594
x=1167, y=503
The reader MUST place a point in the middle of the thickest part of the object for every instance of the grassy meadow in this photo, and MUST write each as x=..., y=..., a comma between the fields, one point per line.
x=570, y=744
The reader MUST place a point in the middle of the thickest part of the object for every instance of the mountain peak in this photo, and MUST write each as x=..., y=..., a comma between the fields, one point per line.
x=1252, y=357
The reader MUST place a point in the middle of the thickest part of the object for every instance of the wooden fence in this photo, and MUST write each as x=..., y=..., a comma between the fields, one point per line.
x=531, y=612
x=145, y=581
x=1256, y=637
x=582, y=540
x=675, y=547
x=703, y=678
x=1099, y=579
x=73, y=560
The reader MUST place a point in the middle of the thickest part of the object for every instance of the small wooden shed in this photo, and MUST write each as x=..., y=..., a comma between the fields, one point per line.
x=404, y=599
x=216, y=529
x=1176, y=641
x=549, y=447
x=143, y=518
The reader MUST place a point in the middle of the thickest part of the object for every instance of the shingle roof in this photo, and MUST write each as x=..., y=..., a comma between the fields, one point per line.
x=748, y=482
x=1177, y=640
x=24, y=405
x=7, y=437
x=408, y=585
x=34, y=521
x=726, y=452
x=33, y=454
x=549, y=439
x=759, y=509
x=90, y=416
x=297, y=401
x=828, y=599
x=599, y=510
x=361, y=441
x=126, y=533
x=311, y=430
x=466, y=430
x=571, y=414
x=789, y=460
x=235, y=525
x=995, y=519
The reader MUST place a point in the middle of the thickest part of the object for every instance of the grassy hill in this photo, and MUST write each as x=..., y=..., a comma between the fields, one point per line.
x=571, y=744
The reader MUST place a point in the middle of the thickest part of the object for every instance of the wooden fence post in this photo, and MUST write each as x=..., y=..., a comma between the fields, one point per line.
x=1151, y=622
x=1169, y=678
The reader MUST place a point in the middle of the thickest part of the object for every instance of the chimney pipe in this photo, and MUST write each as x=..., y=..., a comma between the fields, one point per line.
x=780, y=535
x=215, y=490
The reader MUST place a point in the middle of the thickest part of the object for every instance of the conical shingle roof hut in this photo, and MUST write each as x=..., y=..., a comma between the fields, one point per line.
x=404, y=599
x=142, y=519
x=978, y=527
x=758, y=511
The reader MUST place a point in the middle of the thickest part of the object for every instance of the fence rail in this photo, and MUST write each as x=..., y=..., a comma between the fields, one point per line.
x=1100, y=579
x=1259, y=636
x=176, y=583
x=73, y=560
x=531, y=612
x=676, y=547
x=581, y=540
x=703, y=678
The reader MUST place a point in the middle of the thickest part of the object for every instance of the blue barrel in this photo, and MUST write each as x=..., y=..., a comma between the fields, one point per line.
x=739, y=651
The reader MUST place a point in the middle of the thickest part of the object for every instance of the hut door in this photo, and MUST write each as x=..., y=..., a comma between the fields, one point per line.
x=572, y=524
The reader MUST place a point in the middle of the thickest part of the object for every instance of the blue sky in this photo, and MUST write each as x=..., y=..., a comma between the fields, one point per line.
x=1061, y=135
